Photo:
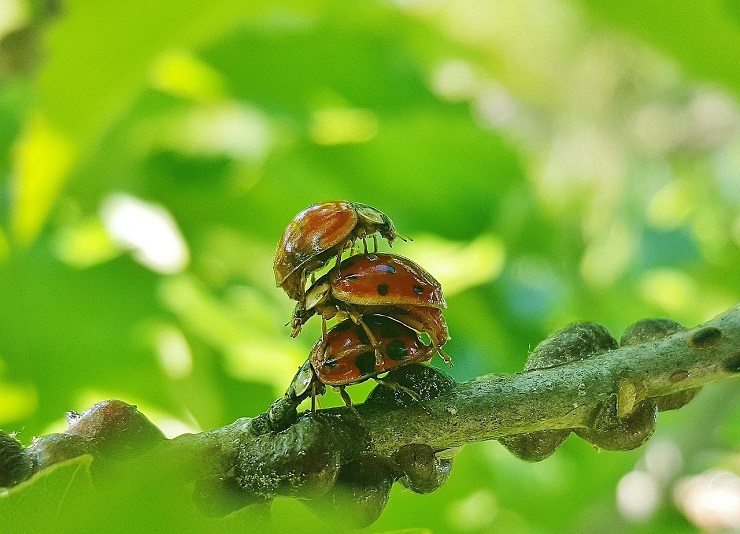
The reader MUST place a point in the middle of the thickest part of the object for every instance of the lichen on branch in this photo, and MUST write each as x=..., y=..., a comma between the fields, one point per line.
x=580, y=380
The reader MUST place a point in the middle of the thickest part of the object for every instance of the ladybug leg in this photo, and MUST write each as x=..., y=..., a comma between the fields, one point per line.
x=347, y=400
x=357, y=319
x=443, y=355
x=345, y=396
x=339, y=257
x=317, y=388
x=402, y=238
x=395, y=386
x=437, y=343
x=304, y=277
x=375, y=243
x=364, y=244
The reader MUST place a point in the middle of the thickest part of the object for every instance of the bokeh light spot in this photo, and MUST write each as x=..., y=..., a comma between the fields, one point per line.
x=85, y=243
x=173, y=352
x=182, y=74
x=18, y=401
x=13, y=14
x=229, y=129
x=339, y=126
x=455, y=80
x=43, y=158
x=473, y=513
x=148, y=230
x=663, y=459
x=638, y=495
x=457, y=265
x=497, y=108
x=670, y=289
x=657, y=128
x=671, y=205
x=710, y=500
x=607, y=256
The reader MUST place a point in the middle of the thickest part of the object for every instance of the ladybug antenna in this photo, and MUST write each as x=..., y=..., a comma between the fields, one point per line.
x=402, y=238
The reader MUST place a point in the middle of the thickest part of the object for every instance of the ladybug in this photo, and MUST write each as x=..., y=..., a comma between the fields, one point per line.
x=346, y=356
x=384, y=284
x=321, y=232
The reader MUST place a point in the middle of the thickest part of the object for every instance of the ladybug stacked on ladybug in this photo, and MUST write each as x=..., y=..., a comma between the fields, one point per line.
x=383, y=302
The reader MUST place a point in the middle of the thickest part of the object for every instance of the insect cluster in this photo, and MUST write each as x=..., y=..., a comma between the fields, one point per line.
x=388, y=309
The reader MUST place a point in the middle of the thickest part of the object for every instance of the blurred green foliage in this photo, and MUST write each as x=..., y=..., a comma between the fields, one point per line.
x=553, y=160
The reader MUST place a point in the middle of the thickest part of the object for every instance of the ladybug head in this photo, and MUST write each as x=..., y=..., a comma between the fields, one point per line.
x=316, y=295
x=378, y=221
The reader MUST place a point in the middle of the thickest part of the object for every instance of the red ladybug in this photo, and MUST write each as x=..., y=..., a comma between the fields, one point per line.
x=384, y=284
x=321, y=232
x=346, y=356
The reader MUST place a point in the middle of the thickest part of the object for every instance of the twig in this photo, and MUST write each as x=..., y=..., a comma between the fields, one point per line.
x=577, y=380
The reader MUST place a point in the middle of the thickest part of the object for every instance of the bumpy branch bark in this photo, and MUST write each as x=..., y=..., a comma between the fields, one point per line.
x=578, y=380
x=567, y=396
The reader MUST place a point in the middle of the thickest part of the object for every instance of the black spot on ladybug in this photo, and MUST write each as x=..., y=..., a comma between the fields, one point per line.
x=366, y=363
x=382, y=289
x=376, y=320
x=385, y=268
x=396, y=350
x=418, y=289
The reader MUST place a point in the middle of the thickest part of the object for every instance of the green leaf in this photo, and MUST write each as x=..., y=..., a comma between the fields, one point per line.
x=99, y=61
x=57, y=499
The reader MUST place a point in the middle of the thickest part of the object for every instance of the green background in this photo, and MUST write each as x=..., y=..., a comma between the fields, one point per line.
x=552, y=160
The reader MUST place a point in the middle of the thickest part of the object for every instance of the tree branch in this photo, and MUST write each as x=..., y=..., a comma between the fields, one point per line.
x=567, y=396
x=580, y=379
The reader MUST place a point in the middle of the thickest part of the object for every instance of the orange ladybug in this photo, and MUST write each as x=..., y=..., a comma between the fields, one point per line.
x=321, y=232
x=346, y=356
x=384, y=284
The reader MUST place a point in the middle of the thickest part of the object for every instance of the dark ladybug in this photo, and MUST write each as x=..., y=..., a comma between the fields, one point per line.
x=346, y=356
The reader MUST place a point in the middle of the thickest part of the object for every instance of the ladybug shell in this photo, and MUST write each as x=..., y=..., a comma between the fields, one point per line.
x=347, y=357
x=380, y=279
x=313, y=231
